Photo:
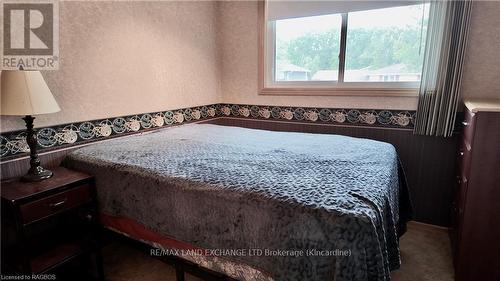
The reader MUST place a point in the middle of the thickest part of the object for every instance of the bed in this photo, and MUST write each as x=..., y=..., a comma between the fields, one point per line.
x=267, y=205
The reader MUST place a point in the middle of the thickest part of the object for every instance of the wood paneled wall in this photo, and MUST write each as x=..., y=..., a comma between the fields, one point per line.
x=429, y=162
x=18, y=167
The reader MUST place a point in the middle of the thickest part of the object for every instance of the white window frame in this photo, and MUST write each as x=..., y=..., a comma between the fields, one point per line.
x=268, y=85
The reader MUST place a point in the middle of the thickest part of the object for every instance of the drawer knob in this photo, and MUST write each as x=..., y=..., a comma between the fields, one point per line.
x=58, y=204
x=89, y=217
x=461, y=153
x=465, y=123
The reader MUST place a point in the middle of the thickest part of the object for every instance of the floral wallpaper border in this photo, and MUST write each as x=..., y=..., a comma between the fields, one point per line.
x=366, y=117
x=13, y=144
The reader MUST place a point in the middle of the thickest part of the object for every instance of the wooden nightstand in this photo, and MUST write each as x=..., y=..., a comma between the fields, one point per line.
x=51, y=227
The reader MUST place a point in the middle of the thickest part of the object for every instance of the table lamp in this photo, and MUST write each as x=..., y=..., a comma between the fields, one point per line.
x=25, y=93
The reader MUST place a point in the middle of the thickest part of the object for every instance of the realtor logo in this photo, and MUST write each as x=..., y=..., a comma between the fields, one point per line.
x=30, y=35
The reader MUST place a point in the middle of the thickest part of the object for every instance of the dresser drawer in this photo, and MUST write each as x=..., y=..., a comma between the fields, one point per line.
x=56, y=203
x=459, y=209
x=464, y=159
x=462, y=195
x=468, y=123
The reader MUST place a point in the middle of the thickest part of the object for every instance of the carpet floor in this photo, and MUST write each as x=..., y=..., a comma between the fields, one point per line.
x=425, y=251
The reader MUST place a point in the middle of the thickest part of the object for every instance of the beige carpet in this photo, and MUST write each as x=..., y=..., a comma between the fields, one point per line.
x=425, y=250
x=426, y=255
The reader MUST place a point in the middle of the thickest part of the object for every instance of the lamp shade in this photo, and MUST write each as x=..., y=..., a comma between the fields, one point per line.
x=26, y=93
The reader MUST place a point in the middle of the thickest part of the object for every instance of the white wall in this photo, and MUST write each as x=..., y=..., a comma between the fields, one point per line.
x=481, y=77
x=121, y=58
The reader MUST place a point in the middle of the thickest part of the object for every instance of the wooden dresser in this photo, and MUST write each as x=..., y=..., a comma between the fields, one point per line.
x=476, y=232
x=50, y=228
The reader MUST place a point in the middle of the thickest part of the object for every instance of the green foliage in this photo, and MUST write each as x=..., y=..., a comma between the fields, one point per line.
x=314, y=51
x=366, y=48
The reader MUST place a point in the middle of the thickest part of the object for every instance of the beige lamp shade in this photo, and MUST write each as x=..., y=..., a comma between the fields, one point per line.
x=26, y=93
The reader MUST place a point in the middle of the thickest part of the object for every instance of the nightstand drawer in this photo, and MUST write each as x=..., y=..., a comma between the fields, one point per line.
x=56, y=203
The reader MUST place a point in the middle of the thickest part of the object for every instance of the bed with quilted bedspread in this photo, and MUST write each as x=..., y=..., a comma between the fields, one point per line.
x=219, y=187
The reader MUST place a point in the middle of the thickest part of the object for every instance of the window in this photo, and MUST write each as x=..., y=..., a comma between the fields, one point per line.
x=305, y=46
x=342, y=45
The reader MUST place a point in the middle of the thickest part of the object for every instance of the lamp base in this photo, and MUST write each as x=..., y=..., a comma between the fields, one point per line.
x=37, y=174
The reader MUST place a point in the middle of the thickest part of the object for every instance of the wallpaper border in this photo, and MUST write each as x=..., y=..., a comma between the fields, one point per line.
x=13, y=144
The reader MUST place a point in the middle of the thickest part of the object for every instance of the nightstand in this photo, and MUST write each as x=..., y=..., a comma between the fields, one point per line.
x=51, y=227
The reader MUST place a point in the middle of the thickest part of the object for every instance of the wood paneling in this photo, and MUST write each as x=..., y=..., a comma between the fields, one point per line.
x=429, y=162
x=18, y=167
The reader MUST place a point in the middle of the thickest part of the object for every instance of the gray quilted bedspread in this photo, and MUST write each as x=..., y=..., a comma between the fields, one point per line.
x=220, y=187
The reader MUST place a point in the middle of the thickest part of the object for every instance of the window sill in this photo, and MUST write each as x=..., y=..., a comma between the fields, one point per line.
x=359, y=92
